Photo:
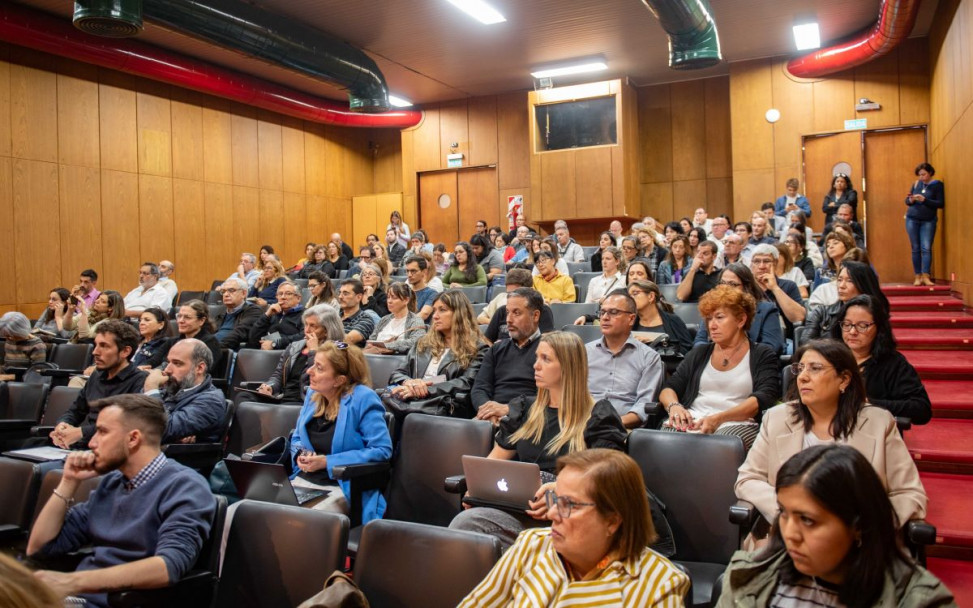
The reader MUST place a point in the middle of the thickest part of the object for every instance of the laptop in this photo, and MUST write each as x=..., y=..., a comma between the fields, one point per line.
x=268, y=483
x=506, y=484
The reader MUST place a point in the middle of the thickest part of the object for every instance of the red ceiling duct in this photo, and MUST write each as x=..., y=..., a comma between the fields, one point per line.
x=42, y=32
x=895, y=21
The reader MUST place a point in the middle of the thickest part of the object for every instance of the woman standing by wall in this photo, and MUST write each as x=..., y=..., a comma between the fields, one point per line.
x=925, y=198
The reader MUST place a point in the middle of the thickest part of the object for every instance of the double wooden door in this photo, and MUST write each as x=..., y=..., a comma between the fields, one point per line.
x=451, y=202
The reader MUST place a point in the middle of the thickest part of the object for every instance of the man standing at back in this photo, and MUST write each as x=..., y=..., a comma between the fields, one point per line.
x=147, y=519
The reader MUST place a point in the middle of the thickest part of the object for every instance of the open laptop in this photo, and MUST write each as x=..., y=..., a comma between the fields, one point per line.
x=506, y=484
x=268, y=483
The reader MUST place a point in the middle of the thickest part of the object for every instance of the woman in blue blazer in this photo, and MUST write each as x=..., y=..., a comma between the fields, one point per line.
x=342, y=422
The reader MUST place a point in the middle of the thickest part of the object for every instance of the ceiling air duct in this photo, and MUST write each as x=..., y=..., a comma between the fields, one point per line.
x=694, y=43
x=110, y=18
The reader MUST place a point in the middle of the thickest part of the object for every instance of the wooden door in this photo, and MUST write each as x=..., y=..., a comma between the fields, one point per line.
x=439, y=207
x=890, y=161
x=822, y=153
x=478, y=200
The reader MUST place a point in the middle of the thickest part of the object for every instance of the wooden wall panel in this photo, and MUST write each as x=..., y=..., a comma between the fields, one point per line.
x=793, y=98
x=33, y=113
x=337, y=216
x=656, y=199
x=719, y=158
x=187, y=140
x=426, y=142
x=364, y=218
x=688, y=130
x=914, y=85
x=244, y=150
x=655, y=134
x=879, y=81
x=77, y=119
x=154, y=134
x=558, y=171
x=8, y=269
x=119, y=230
x=315, y=161
x=246, y=218
x=750, y=188
x=410, y=180
x=387, y=160
x=79, y=216
x=834, y=100
x=217, y=146
x=156, y=220
x=38, y=256
x=477, y=190
x=117, y=122
x=292, y=155
x=5, y=101
x=222, y=252
x=483, y=131
x=454, y=128
x=719, y=196
x=271, y=225
x=269, y=149
x=513, y=154
x=592, y=182
x=296, y=233
x=687, y=195
x=751, y=95
x=190, y=240
x=317, y=221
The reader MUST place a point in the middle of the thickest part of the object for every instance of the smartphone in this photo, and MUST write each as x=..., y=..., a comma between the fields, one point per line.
x=73, y=300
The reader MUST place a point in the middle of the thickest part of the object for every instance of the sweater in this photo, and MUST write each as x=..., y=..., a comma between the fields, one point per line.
x=925, y=211
x=506, y=372
x=892, y=383
x=455, y=275
x=558, y=289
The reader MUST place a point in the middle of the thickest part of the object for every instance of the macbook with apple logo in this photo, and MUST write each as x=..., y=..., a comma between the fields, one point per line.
x=505, y=484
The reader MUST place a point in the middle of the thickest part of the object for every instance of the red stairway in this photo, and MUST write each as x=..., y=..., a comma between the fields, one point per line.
x=935, y=333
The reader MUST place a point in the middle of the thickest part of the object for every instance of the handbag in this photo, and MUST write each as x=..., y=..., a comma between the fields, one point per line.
x=439, y=405
x=339, y=591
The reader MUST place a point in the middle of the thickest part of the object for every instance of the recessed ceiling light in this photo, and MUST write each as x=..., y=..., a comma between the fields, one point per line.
x=398, y=102
x=479, y=10
x=579, y=68
x=807, y=36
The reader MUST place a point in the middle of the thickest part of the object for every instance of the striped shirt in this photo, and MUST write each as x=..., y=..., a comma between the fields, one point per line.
x=532, y=574
x=807, y=593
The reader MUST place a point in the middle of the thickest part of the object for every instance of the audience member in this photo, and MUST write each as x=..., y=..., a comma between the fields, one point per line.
x=166, y=268
x=672, y=230
x=21, y=349
x=335, y=256
x=674, y=267
x=87, y=289
x=701, y=220
x=775, y=225
x=759, y=226
x=650, y=249
x=612, y=275
x=791, y=200
x=148, y=293
x=720, y=387
x=247, y=269
x=192, y=321
x=638, y=271
x=656, y=316
x=782, y=292
x=319, y=262
x=464, y=271
x=108, y=305
x=826, y=292
x=322, y=291
x=402, y=232
x=615, y=228
x=926, y=197
x=342, y=246
x=854, y=279
x=281, y=323
x=548, y=244
x=567, y=248
x=266, y=253
x=797, y=245
x=522, y=245
x=59, y=308
x=733, y=250
x=399, y=330
x=765, y=328
x=357, y=324
x=308, y=258
x=702, y=275
x=515, y=279
x=487, y=257
x=374, y=296
x=396, y=250
x=551, y=284
x=289, y=381
x=481, y=229
x=744, y=230
x=264, y=290
x=696, y=236
x=605, y=239
x=841, y=192
x=416, y=270
x=154, y=330
x=234, y=323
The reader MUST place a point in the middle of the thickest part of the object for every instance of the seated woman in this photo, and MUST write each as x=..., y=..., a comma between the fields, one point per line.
x=562, y=419
x=890, y=380
x=836, y=245
x=656, y=315
x=319, y=263
x=290, y=379
x=833, y=542
x=342, y=422
x=308, y=257
x=605, y=239
x=696, y=236
x=487, y=257
x=854, y=279
x=548, y=244
x=192, y=321
x=399, y=330
x=440, y=260
x=108, y=305
x=51, y=322
x=612, y=275
x=502, y=244
x=21, y=349
x=264, y=291
x=677, y=262
x=464, y=271
x=721, y=386
x=337, y=259
x=554, y=286
x=765, y=327
x=600, y=526
x=322, y=291
x=671, y=231
x=375, y=298
x=155, y=331
x=797, y=245
x=830, y=406
x=446, y=359
x=787, y=270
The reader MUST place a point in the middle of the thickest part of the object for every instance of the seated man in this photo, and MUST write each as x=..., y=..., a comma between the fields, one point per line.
x=166, y=268
x=416, y=268
x=516, y=278
x=620, y=368
x=87, y=287
x=507, y=370
x=702, y=275
x=281, y=323
x=195, y=407
x=497, y=330
x=149, y=293
x=358, y=325
x=115, y=341
x=568, y=249
x=247, y=270
x=146, y=520
x=238, y=317
x=784, y=293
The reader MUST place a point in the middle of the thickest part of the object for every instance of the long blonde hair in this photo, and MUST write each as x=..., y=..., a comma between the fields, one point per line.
x=346, y=360
x=464, y=333
x=576, y=400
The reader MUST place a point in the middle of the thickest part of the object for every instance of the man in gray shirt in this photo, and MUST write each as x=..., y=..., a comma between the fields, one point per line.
x=620, y=368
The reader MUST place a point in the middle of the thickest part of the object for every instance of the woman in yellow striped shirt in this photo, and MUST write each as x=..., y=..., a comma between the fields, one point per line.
x=596, y=551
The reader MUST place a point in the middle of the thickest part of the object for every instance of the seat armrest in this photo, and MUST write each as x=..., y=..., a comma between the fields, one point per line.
x=253, y=385
x=61, y=373
x=920, y=532
x=185, y=449
x=455, y=484
x=655, y=414
x=18, y=372
x=358, y=471
x=196, y=588
x=743, y=514
x=903, y=423
x=9, y=424
x=41, y=431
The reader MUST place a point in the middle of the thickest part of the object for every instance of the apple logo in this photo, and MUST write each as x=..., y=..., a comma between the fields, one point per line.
x=502, y=485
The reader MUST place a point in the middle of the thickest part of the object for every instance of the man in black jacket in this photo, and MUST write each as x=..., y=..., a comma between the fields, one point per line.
x=281, y=323
x=234, y=323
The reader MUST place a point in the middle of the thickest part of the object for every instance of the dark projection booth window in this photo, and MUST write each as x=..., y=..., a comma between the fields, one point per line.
x=576, y=124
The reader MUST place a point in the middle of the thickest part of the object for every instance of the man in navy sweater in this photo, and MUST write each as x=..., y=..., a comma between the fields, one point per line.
x=146, y=520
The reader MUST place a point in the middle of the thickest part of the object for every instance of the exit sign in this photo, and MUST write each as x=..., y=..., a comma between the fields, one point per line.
x=856, y=124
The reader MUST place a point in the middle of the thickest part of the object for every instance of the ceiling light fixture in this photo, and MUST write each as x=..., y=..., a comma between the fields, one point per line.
x=479, y=10
x=399, y=102
x=579, y=68
x=807, y=36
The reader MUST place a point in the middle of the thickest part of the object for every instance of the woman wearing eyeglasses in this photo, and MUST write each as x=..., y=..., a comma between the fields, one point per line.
x=854, y=279
x=192, y=321
x=264, y=291
x=322, y=291
x=890, y=380
x=721, y=386
x=656, y=315
x=342, y=422
x=828, y=405
x=375, y=298
x=563, y=419
x=595, y=552
x=319, y=262
x=556, y=287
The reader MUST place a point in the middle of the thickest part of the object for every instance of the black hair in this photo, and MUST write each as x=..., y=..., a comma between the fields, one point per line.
x=850, y=402
x=90, y=273
x=122, y=333
x=470, y=272
x=644, y=264
x=267, y=248
x=416, y=259
x=865, y=281
x=65, y=296
x=746, y=224
x=884, y=344
x=927, y=168
x=153, y=268
x=767, y=205
x=161, y=317
x=747, y=280
x=621, y=292
x=676, y=226
x=478, y=240
x=355, y=284
x=202, y=312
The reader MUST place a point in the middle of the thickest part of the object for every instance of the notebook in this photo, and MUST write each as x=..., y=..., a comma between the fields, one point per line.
x=507, y=484
x=267, y=483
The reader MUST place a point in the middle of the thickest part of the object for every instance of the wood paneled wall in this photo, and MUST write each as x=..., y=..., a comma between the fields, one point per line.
x=951, y=131
x=764, y=156
x=104, y=170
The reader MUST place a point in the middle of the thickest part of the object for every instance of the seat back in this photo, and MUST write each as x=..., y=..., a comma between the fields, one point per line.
x=587, y=333
x=478, y=308
x=253, y=365
x=22, y=401
x=257, y=423
x=51, y=481
x=565, y=314
x=185, y=296
x=669, y=292
x=693, y=475
x=19, y=480
x=72, y=356
x=477, y=295
x=689, y=313
x=58, y=403
x=581, y=279
x=279, y=555
x=402, y=564
x=430, y=450
x=380, y=367
x=589, y=250
x=576, y=267
x=215, y=309
x=224, y=367
x=787, y=378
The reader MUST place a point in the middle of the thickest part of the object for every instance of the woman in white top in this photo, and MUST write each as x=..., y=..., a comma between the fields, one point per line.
x=787, y=270
x=402, y=234
x=612, y=276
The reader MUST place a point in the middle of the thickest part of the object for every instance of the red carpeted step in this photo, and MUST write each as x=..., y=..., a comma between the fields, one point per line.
x=930, y=303
x=941, y=364
x=945, y=441
x=914, y=337
x=940, y=319
x=957, y=575
x=950, y=398
x=950, y=497
x=903, y=289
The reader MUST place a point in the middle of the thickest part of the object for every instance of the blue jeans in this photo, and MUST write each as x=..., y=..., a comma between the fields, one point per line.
x=921, y=235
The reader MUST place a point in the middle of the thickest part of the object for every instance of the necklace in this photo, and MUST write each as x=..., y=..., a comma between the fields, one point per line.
x=726, y=360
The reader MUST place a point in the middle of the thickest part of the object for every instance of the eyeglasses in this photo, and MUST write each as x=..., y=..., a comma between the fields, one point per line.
x=613, y=312
x=286, y=294
x=812, y=368
x=861, y=327
x=231, y=290
x=564, y=504
x=730, y=283
x=628, y=247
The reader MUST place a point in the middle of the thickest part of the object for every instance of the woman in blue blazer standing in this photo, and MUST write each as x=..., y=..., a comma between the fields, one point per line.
x=342, y=422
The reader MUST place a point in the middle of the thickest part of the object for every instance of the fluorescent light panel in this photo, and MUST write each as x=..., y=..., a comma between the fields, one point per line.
x=807, y=36
x=580, y=68
x=399, y=102
x=479, y=10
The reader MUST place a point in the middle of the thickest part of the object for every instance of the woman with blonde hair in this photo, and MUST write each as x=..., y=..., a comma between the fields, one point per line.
x=108, y=305
x=562, y=419
x=612, y=276
x=342, y=422
x=264, y=291
x=22, y=588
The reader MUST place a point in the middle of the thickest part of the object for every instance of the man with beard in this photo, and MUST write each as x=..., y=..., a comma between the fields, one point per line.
x=146, y=520
x=195, y=407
